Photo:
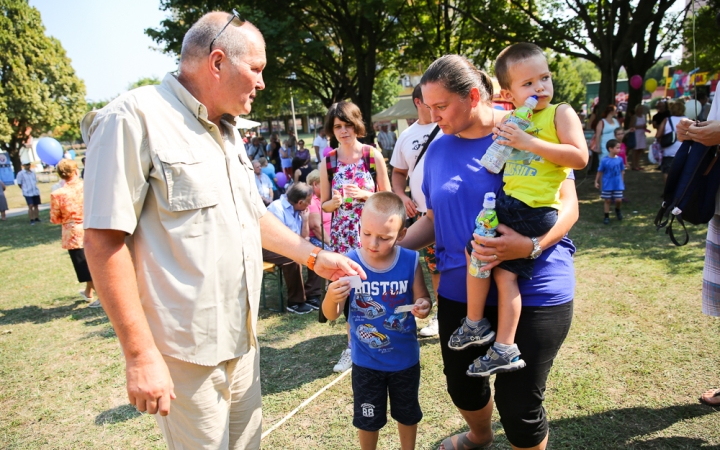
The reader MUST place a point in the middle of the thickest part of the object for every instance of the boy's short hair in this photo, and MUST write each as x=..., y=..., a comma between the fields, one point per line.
x=611, y=143
x=388, y=204
x=511, y=55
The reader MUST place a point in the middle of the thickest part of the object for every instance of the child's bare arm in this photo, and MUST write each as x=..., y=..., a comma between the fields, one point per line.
x=597, y=179
x=421, y=296
x=335, y=298
x=572, y=150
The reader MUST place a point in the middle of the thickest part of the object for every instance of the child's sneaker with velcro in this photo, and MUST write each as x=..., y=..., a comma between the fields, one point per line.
x=466, y=335
x=496, y=362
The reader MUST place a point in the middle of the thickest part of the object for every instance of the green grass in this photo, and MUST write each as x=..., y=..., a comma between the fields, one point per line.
x=638, y=355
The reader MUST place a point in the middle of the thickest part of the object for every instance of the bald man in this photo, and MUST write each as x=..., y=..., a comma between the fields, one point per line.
x=174, y=234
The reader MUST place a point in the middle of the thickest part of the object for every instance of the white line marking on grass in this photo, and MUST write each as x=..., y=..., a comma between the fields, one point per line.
x=304, y=404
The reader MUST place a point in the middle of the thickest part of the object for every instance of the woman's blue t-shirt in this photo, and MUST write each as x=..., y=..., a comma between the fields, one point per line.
x=454, y=185
x=379, y=338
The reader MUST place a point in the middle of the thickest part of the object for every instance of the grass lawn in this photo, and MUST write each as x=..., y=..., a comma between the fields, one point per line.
x=638, y=355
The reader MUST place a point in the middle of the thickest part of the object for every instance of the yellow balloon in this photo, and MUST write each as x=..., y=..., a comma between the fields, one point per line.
x=650, y=85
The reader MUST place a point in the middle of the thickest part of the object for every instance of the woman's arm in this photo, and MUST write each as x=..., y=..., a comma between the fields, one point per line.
x=512, y=245
x=421, y=233
x=383, y=182
x=328, y=202
x=296, y=175
x=661, y=129
x=598, y=134
x=56, y=215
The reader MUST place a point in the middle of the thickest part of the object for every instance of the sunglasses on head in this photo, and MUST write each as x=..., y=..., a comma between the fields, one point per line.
x=234, y=15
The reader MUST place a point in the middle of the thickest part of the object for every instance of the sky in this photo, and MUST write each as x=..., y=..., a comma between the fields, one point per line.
x=106, y=42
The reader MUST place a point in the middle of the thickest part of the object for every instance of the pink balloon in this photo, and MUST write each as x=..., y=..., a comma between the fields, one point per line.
x=636, y=81
x=327, y=150
x=281, y=179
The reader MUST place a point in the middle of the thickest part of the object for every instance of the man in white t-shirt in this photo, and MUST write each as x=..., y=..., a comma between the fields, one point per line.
x=405, y=165
x=319, y=144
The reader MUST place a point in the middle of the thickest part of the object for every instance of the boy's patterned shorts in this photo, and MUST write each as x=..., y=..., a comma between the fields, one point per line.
x=611, y=195
x=371, y=389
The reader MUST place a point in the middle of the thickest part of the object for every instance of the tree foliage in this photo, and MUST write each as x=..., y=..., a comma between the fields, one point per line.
x=569, y=78
x=39, y=89
x=145, y=81
x=608, y=33
x=705, y=42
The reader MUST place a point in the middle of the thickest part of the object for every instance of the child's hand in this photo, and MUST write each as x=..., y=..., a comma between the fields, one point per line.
x=597, y=185
x=422, y=308
x=516, y=137
x=338, y=291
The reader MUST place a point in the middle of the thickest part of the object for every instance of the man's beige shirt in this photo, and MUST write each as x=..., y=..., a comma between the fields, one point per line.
x=184, y=191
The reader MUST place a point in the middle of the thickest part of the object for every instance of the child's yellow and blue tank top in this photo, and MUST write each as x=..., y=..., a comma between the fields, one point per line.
x=528, y=177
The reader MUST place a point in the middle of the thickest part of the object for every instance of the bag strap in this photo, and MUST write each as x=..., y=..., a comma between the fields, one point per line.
x=669, y=231
x=427, y=144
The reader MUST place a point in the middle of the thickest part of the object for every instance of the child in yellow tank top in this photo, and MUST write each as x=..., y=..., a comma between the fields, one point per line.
x=543, y=157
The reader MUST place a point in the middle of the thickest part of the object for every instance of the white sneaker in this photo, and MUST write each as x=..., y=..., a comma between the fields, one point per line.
x=431, y=329
x=345, y=361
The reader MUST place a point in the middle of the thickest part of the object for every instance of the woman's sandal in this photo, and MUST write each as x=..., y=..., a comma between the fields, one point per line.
x=463, y=443
x=710, y=398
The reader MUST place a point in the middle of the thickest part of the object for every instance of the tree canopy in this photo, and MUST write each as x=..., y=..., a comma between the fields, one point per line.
x=39, y=89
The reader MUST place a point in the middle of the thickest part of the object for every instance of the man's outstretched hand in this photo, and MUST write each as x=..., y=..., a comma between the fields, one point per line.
x=332, y=266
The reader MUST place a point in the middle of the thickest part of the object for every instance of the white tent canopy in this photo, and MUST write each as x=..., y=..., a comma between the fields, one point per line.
x=404, y=108
x=245, y=124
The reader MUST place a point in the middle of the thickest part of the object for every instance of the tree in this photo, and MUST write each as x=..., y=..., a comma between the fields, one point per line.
x=570, y=77
x=146, y=81
x=336, y=49
x=39, y=88
x=386, y=89
x=705, y=46
x=608, y=33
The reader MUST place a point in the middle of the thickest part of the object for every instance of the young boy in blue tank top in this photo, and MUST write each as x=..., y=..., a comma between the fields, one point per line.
x=385, y=349
x=529, y=203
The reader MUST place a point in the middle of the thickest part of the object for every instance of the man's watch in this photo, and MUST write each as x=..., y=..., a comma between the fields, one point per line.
x=536, y=248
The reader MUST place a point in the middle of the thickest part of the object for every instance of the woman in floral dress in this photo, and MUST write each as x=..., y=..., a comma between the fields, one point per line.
x=352, y=184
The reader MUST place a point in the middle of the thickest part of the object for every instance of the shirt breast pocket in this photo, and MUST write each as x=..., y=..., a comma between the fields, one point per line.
x=190, y=179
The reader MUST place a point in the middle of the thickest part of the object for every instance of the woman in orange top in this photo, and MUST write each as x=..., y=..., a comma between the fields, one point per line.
x=66, y=208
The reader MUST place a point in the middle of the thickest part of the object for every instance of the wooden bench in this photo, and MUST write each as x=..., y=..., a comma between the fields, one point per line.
x=273, y=272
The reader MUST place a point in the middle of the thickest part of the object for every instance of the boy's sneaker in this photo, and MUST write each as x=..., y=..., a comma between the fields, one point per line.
x=95, y=304
x=606, y=221
x=619, y=215
x=431, y=329
x=345, y=361
x=495, y=362
x=313, y=302
x=466, y=336
x=299, y=308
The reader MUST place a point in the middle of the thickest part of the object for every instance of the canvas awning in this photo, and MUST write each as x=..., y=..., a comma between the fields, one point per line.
x=402, y=109
x=245, y=124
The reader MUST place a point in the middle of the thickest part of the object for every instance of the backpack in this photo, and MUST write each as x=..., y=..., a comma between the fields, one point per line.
x=691, y=188
x=368, y=157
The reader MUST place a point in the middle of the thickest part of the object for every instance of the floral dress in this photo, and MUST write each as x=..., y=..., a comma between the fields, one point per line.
x=345, y=229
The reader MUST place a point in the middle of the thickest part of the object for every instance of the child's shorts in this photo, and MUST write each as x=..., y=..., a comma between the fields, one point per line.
x=611, y=195
x=530, y=222
x=370, y=392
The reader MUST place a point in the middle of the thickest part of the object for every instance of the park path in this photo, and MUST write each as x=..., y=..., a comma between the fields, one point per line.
x=20, y=211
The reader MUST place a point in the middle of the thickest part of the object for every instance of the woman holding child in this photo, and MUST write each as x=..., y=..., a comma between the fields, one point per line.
x=459, y=97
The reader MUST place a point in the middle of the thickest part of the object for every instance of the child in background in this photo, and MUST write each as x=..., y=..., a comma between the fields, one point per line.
x=545, y=153
x=286, y=158
x=612, y=170
x=385, y=349
x=619, y=135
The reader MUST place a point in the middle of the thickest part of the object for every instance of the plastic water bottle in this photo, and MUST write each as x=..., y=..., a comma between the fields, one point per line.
x=485, y=225
x=498, y=153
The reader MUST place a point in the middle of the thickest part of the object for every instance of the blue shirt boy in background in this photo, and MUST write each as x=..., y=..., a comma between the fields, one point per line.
x=385, y=350
x=612, y=170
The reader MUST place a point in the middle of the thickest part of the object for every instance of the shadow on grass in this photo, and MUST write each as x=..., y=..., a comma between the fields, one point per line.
x=635, y=235
x=77, y=310
x=116, y=415
x=284, y=369
x=18, y=233
x=619, y=428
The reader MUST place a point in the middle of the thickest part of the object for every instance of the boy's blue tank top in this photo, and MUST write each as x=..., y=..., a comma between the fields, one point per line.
x=379, y=338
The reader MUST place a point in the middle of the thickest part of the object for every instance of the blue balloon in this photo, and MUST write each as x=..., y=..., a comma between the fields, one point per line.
x=49, y=150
